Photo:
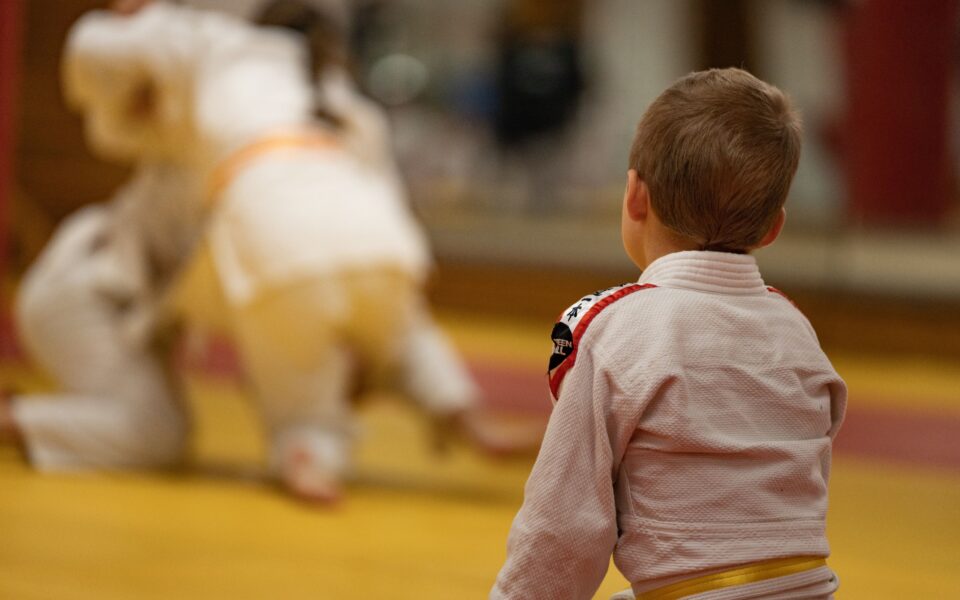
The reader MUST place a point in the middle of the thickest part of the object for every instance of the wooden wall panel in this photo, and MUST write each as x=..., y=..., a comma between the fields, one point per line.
x=54, y=172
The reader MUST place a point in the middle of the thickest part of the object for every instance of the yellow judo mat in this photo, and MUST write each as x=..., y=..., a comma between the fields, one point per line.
x=414, y=524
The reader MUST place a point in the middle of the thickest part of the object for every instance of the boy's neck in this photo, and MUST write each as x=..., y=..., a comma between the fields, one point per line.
x=660, y=242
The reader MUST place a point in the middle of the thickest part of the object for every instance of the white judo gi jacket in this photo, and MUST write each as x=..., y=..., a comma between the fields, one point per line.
x=222, y=85
x=294, y=215
x=692, y=433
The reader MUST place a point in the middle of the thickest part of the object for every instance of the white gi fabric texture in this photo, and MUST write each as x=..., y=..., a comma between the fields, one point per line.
x=86, y=312
x=692, y=434
x=299, y=214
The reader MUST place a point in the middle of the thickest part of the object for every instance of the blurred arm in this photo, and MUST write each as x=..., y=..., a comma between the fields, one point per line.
x=365, y=125
x=562, y=538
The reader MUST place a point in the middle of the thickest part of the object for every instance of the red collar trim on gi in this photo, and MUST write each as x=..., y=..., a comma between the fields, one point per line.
x=225, y=172
x=573, y=323
x=774, y=290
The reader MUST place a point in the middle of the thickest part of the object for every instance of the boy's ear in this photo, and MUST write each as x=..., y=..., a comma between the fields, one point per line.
x=774, y=230
x=636, y=197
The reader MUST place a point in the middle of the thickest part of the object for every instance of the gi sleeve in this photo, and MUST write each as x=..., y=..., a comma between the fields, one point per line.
x=561, y=541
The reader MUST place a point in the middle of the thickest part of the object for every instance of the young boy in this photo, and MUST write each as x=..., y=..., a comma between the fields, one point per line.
x=695, y=410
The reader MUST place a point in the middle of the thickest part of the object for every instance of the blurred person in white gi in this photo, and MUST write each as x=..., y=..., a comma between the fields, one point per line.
x=310, y=258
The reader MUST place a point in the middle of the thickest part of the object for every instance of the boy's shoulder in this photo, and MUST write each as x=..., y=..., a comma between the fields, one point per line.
x=573, y=323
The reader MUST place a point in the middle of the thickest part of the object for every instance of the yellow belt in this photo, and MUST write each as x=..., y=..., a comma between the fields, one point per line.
x=227, y=170
x=760, y=571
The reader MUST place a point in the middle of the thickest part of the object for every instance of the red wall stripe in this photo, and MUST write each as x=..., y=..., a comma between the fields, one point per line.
x=10, y=30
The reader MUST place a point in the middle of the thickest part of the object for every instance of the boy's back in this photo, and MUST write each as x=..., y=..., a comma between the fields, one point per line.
x=731, y=453
x=706, y=399
x=695, y=410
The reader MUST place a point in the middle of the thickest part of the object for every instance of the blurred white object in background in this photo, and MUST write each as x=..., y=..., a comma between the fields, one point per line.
x=310, y=258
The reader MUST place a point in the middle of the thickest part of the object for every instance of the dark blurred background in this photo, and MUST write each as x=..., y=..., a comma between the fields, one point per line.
x=512, y=120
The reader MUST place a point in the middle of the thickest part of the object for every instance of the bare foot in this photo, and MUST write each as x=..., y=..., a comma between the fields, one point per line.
x=495, y=435
x=309, y=481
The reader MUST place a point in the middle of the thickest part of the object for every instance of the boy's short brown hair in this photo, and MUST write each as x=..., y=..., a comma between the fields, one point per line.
x=718, y=150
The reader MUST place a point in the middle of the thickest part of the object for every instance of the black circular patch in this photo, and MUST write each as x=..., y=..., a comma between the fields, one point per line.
x=562, y=345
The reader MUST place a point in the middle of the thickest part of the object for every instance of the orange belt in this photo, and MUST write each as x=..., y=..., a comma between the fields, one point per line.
x=224, y=173
x=752, y=573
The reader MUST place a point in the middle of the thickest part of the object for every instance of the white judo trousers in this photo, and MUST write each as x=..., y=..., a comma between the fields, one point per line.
x=85, y=312
x=303, y=364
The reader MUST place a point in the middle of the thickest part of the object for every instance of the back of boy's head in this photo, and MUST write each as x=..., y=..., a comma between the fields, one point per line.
x=718, y=150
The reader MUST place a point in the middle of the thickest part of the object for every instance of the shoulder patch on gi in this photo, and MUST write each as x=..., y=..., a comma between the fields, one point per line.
x=571, y=326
